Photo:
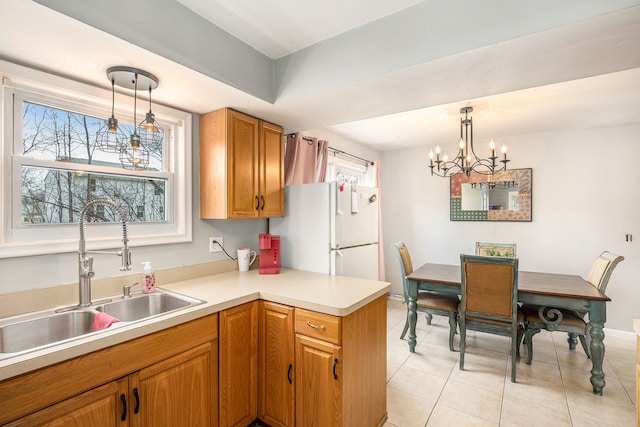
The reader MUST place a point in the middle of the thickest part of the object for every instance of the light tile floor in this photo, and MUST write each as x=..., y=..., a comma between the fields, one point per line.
x=426, y=388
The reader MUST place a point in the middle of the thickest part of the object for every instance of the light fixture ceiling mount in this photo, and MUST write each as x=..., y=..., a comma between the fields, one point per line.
x=124, y=76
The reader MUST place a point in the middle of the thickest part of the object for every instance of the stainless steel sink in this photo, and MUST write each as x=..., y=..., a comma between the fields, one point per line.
x=33, y=331
x=143, y=306
x=27, y=334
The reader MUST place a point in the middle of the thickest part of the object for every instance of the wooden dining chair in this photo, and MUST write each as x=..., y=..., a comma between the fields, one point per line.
x=496, y=249
x=490, y=301
x=572, y=322
x=428, y=302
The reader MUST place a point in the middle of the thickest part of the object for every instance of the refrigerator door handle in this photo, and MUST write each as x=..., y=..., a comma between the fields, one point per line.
x=338, y=229
x=339, y=264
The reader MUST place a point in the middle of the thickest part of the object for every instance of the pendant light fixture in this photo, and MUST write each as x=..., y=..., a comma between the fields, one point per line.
x=467, y=161
x=134, y=154
x=150, y=131
x=110, y=138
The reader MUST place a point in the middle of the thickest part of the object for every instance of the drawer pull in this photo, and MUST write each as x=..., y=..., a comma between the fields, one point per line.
x=123, y=398
x=289, y=373
x=321, y=327
x=137, y=396
x=335, y=364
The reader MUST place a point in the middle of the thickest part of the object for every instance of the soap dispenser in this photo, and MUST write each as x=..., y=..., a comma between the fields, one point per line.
x=148, y=278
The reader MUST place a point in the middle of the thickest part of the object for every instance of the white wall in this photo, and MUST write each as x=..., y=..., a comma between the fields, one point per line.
x=585, y=199
x=17, y=274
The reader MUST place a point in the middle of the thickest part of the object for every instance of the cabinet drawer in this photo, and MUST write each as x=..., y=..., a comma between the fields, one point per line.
x=319, y=325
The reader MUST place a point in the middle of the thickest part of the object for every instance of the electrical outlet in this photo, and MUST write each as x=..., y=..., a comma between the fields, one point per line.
x=215, y=247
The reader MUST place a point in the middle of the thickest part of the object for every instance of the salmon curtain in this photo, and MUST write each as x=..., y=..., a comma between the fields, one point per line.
x=381, y=269
x=305, y=159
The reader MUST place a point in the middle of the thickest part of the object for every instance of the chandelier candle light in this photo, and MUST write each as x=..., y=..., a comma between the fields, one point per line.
x=467, y=160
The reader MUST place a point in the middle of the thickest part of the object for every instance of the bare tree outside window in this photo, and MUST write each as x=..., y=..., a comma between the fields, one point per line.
x=55, y=193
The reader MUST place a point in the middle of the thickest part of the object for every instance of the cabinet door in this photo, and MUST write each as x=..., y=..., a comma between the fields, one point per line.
x=276, y=405
x=318, y=383
x=103, y=406
x=238, y=390
x=242, y=166
x=271, y=170
x=179, y=391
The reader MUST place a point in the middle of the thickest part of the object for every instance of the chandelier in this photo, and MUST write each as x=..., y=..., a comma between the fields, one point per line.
x=133, y=149
x=467, y=161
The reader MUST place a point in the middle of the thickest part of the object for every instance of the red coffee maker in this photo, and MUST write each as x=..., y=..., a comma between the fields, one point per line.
x=269, y=254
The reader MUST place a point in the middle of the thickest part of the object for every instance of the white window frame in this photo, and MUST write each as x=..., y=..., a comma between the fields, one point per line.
x=365, y=173
x=29, y=84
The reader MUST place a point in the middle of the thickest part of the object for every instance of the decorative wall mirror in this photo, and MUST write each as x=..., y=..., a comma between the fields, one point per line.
x=504, y=196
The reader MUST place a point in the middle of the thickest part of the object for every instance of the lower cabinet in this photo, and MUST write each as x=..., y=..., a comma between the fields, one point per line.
x=341, y=367
x=322, y=370
x=102, y=406
x=177, y=391
x=169, y=378
x=276, y=392
x=319, y=377
x=238, y=390
x=286, y=366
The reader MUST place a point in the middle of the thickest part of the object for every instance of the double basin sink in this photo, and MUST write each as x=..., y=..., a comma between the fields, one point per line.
x=33, y=331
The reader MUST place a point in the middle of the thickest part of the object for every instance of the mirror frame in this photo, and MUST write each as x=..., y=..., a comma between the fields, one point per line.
x=523, y=214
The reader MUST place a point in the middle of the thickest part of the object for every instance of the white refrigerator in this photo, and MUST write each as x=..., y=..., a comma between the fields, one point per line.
x=329, y=228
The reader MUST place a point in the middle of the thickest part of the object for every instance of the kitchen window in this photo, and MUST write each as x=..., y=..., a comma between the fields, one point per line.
x=52, y=166
x=351, y=172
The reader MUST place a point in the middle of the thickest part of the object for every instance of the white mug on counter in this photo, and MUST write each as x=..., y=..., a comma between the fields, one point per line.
x=245, y=258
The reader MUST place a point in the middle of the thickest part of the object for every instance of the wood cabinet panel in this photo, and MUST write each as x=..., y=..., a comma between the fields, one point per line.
x=241, y=166
x=318, y=383
x=101, y=406
x=319, y=325
x=238, y=365
x=364, y=344
x=276, y=397
x=180, y=391
x=271, y=170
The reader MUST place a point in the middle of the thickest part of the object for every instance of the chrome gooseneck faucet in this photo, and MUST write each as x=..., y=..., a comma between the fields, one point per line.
x=85, y=263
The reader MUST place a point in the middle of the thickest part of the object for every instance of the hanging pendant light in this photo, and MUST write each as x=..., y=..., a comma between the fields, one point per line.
x=134, y=151
x=134, y=156
x=151, y=133
x=110, y=138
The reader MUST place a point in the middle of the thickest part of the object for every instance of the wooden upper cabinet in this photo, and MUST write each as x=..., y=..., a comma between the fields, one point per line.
x=241, y=166
x=271, y=170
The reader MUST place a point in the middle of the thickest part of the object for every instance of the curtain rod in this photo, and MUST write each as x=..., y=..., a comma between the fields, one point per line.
x=335, y=150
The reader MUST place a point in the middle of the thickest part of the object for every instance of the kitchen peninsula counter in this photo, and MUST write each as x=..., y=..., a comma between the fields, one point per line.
x=332, y=295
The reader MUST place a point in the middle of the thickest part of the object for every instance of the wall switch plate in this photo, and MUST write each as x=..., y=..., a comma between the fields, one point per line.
x=215, y=247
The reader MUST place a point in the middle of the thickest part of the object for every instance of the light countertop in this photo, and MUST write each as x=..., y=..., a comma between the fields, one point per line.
x=334, y=295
